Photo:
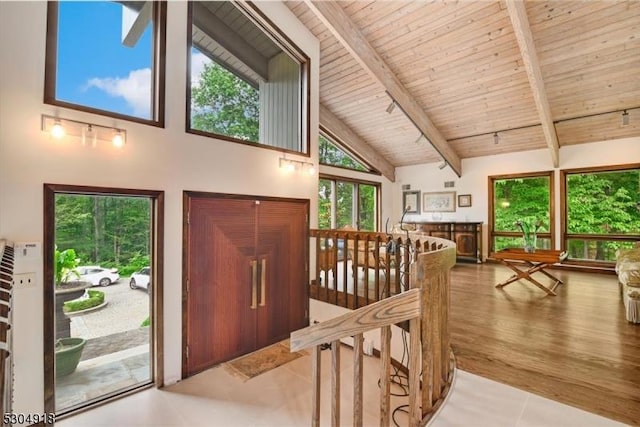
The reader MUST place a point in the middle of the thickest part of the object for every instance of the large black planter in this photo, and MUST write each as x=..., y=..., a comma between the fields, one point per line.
x=66, y=292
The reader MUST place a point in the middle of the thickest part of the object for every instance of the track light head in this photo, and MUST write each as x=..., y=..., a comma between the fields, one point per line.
x=391, y=107
x=625, y=118
x=442, y=165
x=496, y=138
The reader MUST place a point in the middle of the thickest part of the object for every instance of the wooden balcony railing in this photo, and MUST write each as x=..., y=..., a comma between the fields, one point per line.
x=356, y=268
x=430, y=368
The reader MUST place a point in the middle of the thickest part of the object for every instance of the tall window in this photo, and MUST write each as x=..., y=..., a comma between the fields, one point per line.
x=104, y=57
x=601, y=211
x=526, y=198
x=351, y=203
x=246, y=84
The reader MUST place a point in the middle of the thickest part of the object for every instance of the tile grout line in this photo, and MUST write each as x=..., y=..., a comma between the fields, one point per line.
x=524, y=406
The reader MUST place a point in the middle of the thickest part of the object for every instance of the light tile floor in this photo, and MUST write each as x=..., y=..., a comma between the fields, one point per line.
x=282, y=397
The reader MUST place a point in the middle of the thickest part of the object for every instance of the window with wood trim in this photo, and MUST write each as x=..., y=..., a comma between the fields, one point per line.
x=247, y=82
x=346, y=202
x=601, y=212
x=107, y=58
x=523, y=197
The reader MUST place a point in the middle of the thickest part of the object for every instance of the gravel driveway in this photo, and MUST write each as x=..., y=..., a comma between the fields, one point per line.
x=126, y=309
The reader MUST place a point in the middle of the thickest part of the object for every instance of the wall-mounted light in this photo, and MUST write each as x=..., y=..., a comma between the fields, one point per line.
x=496, y=138
x=290, y=165
x=625, y=118
x=58, y=128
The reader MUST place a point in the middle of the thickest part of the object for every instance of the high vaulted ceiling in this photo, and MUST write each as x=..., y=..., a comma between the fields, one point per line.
x=539, y=74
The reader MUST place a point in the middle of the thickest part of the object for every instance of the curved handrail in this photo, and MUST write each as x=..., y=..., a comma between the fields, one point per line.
x=426, y=307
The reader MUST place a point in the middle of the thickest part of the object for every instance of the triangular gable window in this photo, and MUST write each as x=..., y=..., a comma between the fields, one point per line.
x=332, y=155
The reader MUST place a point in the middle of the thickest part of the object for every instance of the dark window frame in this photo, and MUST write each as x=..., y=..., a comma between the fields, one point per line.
x=565, y=236
x=273, y=31
x=157, y=306
x=493, y=233
x=358, y=182
x=158, y=70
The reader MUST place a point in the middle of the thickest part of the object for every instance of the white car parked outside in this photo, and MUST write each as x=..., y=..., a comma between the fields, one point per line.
x=97, y=275
x=141, y=279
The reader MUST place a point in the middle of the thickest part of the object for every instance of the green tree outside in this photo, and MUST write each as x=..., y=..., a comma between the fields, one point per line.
x=225, y=104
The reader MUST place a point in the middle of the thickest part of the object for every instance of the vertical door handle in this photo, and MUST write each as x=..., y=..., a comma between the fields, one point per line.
x=254, y=284
x=263, y=283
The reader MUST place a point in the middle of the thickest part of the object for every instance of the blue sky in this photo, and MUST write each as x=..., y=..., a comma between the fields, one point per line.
x=94, y=68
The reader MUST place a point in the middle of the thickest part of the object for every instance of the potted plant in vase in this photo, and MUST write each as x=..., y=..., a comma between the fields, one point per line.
x=68, y=349
x=529, y=228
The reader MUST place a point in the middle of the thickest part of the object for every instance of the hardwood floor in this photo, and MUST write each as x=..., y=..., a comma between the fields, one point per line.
x=576, y=347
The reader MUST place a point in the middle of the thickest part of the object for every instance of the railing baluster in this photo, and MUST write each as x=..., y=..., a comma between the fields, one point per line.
x=387, y=269
x=356, y=253
x=345, y=269
x=398, y=276
x=376, y=284
x=335, y=269
x=385, y=376
x=435, y=326
x=315, y=374
x=415, y=414
x=366, y=269
x=335, y=383
x=358, y=342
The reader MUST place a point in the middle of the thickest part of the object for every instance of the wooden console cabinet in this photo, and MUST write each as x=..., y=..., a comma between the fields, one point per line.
x=466, y=235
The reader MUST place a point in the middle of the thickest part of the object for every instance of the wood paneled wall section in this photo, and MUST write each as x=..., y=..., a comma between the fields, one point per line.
x=280, y=104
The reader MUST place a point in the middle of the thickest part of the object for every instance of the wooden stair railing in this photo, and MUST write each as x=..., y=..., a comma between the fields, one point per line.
x=344, y=260
x=426, y=307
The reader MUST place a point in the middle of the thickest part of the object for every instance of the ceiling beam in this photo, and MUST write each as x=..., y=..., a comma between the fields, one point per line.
x=338, y=22
x=520, y=23
x=135, y=21
x=353, y=142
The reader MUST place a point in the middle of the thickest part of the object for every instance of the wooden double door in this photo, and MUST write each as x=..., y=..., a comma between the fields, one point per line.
x=246, y=275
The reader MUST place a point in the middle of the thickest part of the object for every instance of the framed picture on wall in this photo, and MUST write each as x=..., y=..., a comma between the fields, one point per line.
x=464, y=200
x=411, y=202
x=439, y=201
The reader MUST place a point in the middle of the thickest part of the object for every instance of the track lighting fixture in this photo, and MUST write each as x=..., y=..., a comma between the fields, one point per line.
x=391, y=107
x=496, y=138
x=58, y=128
x=289, y=166
x=442, y=165
x=625, y=118
x=417, y=141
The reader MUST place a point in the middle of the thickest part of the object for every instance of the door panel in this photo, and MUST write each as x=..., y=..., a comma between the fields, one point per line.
x=221, y=323
x=226, y=236
x=282, y=243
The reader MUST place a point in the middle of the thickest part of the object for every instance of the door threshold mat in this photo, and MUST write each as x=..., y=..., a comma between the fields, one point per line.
x=261, y=361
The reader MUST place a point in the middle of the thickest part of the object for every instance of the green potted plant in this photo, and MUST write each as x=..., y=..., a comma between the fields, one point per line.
x=68, y=353
x=68, y=349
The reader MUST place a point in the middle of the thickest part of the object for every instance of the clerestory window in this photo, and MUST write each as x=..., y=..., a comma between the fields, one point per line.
x=247, y=83
x=106, y=58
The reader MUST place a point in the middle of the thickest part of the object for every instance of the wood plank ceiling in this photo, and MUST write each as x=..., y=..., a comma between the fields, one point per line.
x=463, y=65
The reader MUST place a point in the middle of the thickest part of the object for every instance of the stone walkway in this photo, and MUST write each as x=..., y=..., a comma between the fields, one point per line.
x=113, y=343
x=116, y=355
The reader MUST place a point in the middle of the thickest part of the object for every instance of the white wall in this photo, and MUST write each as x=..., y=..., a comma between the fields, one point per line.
x=475, y=173
x=159, y=159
